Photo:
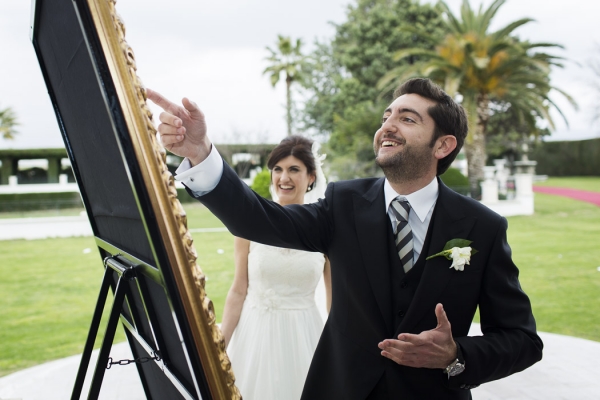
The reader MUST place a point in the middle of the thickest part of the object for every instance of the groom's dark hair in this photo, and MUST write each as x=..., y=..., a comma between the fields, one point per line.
x=450, y=117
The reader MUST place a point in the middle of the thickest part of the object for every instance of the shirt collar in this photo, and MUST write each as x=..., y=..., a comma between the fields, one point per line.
x=420, y=201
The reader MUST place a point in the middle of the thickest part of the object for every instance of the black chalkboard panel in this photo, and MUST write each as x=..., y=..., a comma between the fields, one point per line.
x=130, y=199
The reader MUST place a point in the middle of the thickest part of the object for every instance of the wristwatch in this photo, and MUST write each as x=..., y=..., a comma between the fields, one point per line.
x=457, y=366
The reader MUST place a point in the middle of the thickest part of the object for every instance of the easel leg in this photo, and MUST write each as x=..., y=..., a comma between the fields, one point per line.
x=111, y=328
x=93, y=333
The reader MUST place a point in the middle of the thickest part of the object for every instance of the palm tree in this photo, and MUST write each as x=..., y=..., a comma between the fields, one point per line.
x=287, y=58
x=482, y=67
x=8, y=121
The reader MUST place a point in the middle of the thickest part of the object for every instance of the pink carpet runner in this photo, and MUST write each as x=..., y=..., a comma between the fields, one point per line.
x=583, y=195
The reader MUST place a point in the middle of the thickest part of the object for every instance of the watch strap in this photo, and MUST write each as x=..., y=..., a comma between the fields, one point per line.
x=458, y=365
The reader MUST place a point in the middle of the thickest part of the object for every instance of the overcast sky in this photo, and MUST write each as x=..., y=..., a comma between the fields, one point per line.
x=213, y=52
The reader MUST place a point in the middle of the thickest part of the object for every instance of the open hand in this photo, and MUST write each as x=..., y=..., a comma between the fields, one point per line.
x=429, y=349
x=183, y=128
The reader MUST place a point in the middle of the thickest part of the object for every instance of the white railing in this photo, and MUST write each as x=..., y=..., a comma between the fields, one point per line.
x=63, y=185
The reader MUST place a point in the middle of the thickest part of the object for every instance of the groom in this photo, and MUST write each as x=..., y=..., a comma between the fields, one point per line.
x=399, y=322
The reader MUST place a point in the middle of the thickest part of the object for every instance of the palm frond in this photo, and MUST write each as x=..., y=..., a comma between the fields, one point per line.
x=8, y=122
x=508, y=29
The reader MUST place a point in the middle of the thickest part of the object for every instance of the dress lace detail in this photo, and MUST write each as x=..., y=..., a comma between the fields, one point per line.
x=280, y=325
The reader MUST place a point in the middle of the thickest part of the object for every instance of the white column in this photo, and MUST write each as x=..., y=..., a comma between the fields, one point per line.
x=489, y=187
x=501, y=175
x=524, y=185
x=524, y=189
x=489, y=191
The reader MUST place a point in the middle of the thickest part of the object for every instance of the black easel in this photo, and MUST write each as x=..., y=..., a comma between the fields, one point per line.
x=125, y=273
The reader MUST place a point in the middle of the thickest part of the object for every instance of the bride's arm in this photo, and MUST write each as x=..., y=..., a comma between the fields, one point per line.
x=239, y=288
x=327, y=281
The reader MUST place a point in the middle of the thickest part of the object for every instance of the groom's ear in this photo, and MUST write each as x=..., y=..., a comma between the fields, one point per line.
x=444, y=145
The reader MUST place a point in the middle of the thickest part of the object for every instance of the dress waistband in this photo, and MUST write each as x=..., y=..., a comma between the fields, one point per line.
x=270, y=300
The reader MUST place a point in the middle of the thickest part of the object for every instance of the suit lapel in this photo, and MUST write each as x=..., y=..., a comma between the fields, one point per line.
x=449, y=222
x=371, y=226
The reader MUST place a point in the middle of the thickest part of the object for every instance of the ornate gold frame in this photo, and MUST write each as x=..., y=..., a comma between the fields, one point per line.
x=161, y=188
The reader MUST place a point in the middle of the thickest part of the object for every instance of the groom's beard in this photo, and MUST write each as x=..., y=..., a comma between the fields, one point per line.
x=412, y=162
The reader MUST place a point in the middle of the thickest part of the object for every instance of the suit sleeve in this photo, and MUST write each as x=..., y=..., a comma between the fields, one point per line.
x=509, y=343
x=248, y=215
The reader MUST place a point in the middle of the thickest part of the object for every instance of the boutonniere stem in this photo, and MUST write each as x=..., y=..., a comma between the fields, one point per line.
x=457, y=250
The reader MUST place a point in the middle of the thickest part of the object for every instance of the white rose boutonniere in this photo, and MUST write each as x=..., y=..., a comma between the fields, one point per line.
x=459, y=251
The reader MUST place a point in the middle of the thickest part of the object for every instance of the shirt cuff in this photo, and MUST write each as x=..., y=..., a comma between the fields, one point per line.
x=204, y=177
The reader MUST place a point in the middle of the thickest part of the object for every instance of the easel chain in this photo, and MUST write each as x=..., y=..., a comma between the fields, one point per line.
x=139, y=360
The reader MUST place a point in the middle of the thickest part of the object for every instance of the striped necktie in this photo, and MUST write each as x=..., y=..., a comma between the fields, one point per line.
x=400, y=207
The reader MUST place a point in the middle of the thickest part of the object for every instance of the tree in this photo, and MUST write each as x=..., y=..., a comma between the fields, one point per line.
x=483, y=67
x=287, y=58
x=344, y=105
x=351, y=142
x=8, y=121
x=506, y=133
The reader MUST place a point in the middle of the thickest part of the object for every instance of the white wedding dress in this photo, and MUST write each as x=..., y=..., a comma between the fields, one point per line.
x=272, y=346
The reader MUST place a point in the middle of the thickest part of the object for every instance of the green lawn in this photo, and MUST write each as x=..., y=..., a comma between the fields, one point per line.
x=558, y=254
x=49, y=287
x=591, y=183
x=215, y=254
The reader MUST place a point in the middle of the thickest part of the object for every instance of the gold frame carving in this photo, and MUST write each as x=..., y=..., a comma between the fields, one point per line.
x=163, y=195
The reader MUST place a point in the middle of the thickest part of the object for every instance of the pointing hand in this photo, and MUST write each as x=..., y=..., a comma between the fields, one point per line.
x=183, y=128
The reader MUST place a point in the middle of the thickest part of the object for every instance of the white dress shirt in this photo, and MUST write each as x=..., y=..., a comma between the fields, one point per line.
x=422, y=203
x=203, y=177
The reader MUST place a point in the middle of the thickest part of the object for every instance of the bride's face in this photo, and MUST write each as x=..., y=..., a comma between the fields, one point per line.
x=290, y=180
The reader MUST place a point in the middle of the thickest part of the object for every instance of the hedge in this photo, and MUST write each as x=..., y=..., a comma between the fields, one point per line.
x=568, y=158
x=39, y=201
x=456, y=181
x=261, y=183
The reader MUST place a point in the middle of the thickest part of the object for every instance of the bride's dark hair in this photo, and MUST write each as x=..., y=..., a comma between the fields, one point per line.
x=297, y=146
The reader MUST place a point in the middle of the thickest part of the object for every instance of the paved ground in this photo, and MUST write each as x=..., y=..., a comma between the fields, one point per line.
x=40, y=228
x=568, y=371
x=54, y=380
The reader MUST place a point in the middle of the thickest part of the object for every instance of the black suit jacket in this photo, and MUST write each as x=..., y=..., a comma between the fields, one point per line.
x=350, y=227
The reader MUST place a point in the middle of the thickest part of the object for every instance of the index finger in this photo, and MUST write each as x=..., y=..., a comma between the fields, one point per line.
x=397, y=344
x=411, y=338
x=161, y=101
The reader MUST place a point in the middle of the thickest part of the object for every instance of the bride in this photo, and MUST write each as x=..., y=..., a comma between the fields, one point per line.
x=271, y=322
